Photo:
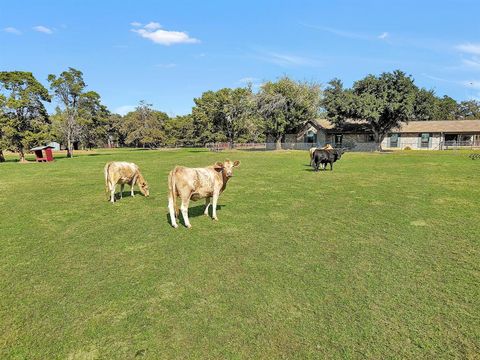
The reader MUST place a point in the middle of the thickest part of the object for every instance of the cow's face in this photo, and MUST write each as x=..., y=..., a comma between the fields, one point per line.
x=227, y=167
x=339, y=153
x=144, y=188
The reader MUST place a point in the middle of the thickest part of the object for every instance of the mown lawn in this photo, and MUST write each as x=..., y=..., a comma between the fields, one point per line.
x=378, y=259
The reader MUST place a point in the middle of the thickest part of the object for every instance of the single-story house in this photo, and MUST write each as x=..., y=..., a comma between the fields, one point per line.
x=421, y=135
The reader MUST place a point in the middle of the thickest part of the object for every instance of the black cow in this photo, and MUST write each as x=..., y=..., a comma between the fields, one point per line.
x=324, y=157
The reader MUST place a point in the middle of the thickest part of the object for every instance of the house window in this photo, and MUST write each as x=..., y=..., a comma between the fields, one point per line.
x=369, y=138
x=338, y=140
x=311, y=137
x=424, y=140
x=394, y=140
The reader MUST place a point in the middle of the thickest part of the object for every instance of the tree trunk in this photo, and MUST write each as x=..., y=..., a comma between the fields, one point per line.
x=22, y=156
x=278, y=143
x=378, y=141
x=2, y=158
x=69, y=148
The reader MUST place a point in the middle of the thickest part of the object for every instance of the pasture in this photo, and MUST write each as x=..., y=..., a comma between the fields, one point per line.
x=378, y=259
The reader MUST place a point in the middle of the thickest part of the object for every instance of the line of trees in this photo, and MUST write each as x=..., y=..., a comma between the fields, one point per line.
x=280, y=107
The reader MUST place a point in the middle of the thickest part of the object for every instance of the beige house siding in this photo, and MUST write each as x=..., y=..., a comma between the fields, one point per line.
x=412, y=140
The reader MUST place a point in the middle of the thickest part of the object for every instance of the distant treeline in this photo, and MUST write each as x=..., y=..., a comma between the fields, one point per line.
x=279, y=107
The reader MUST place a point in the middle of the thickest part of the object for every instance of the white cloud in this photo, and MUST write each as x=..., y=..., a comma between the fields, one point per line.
x=136, y=24
x=152, y=26
x=166, y=66
x=358, y=35
x=287, y=60
x=469, y=48
x=43, y=29
x=153, y=32
x=12, y=30
x=474, y=62
x=473, y=84
x=383, y=35
x=125, y=109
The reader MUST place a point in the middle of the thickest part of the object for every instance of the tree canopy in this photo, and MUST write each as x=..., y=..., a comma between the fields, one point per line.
x=24, y=120
x=381, y=102
x=286, y=104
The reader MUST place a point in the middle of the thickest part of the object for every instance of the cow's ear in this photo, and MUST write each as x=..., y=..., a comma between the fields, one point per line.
x=236, y=163
x=218, y=166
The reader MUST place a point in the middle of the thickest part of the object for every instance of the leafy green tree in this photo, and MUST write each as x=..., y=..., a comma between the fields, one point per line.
x=469, y=109
x=68, y=88
x=114, y=130
x=205, y=127
x=254, y=129
x=179, y=131
x=24, y=119
x=93, y=119
x=221, y=115
x=447, y=109
x=425, y=106
x=285, y=105
x=3, y=140
x=382, y=102
x=144, y=126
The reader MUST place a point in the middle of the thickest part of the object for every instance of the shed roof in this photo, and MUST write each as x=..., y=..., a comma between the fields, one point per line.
x=41, y=148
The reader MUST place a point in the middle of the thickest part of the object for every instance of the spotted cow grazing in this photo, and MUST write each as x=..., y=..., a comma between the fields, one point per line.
x=197, y=183
x=120, y=172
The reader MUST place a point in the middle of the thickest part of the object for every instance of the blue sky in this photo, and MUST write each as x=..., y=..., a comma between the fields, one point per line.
x=167, y=53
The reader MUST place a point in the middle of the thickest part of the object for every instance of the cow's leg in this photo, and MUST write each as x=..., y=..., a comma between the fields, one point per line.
x=184, y=208
x=207, y=205
x=131, y=186
x=331, y=165
x=112, y=192
x=171, y=210
x=214, y=205
x=121, y=190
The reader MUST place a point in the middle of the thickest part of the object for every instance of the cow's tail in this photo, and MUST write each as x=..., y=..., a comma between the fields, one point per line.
x=172, y=191
x=107, y=182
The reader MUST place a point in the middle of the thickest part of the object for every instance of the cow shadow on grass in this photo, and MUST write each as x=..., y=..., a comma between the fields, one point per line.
x=126, y=194
x=319, y=170
x=193, y=212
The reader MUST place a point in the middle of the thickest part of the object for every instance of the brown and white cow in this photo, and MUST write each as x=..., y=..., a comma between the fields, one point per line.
x=120, y=172
x=197, y=183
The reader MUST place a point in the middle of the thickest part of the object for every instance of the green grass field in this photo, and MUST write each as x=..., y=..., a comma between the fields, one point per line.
x=378, y=259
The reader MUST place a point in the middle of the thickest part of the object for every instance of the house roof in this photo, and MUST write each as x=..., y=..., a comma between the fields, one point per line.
x=446, y=126
x=353, y=126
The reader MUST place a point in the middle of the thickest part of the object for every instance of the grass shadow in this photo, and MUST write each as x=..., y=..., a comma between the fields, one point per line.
x=193, y=212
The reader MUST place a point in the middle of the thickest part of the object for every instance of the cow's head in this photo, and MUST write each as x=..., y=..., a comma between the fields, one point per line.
x=339, y=153
x=226, y=167
x=142, y=184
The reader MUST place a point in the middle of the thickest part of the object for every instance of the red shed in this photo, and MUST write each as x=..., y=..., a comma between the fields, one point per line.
x=39, y=153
